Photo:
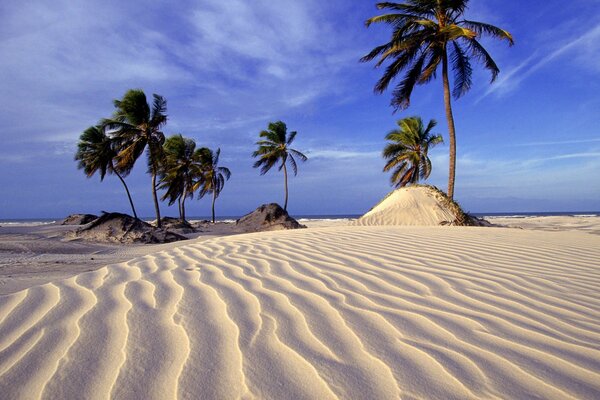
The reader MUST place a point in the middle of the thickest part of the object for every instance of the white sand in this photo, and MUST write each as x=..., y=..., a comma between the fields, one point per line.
x=343, y=312
x=582, y=223
x=415, y=205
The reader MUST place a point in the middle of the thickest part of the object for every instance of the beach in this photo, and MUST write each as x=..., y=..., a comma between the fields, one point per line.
x=332, y=311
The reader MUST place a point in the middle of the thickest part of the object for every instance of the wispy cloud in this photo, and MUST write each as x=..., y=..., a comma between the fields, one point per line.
x=556, y=142
x=232, y=61
x=338, y=154
x=565, y=157
x=587, y=43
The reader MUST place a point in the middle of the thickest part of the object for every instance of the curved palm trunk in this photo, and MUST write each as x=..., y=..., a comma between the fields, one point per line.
x=155, y=197
x=182, y=209
x=214, y=198
x=286, y=186
x=451, y=129
x=128, y=194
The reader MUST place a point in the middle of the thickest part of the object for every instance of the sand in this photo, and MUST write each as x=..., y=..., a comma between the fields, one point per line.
x=347, y=312
x=32, y=255
x=581, y=223
x=410, y=206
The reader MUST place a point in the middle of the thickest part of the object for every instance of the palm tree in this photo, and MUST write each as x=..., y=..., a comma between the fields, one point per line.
x=407, y=152
x=137, y=127
x=180, y=167
x=427, y=33
x=96, y=152
x=275, y=149
x=213, y=177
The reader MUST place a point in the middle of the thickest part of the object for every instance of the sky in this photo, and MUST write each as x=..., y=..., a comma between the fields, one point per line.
x=528, y=142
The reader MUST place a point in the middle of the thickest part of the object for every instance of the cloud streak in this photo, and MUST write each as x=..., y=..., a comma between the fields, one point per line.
x=513, y=78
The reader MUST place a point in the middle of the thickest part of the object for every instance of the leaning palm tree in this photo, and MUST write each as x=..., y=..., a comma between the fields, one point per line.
x=181, y=166
x=213, y=177
x=407, y=153
x=427, y=34
x=137, y=127
x=274, y=148
x=96, y=152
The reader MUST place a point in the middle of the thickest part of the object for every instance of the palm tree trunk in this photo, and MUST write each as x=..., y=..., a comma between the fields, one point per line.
x=183, y=209
x=155, y=197
x=128, y=194
x=179, y=208
x=286, y=187
x=451, y=129
x=214, y=198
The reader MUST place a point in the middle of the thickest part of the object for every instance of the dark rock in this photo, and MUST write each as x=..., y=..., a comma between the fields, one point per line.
x=123, y=228
x=79, y=219
x=268, y=217
x=175, y=224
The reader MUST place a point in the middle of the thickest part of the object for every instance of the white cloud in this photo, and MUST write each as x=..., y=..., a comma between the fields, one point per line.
x=556, y=142
x=338, y=154
x=584, y=49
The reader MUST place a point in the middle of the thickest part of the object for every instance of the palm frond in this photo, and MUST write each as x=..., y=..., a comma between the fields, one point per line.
x=394, y=69
x=293, y=164
x=482, y=55
x=462, y=70
x=158, y=116
x=402, y=92
x=486, y=29
x=298, y=154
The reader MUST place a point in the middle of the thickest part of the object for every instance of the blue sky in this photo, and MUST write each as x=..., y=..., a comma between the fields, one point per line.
x=529, y=142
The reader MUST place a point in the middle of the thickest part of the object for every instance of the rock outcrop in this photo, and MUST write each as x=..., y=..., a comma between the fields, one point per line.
x=79, y=219
x=123, y=228
x=175, y=224
x=268, y=217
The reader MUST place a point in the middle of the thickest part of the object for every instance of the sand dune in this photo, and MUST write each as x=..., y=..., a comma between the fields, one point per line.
x=345, y=312
x=413, y=205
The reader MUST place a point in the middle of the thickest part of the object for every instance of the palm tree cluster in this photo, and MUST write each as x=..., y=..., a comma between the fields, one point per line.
x=427, y=34
x=115, y=144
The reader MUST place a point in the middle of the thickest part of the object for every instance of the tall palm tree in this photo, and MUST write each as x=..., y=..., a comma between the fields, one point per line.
x=96, y=152
x=407, y=152
x=213, y=177
x=427, y=34
x=180, y=168
x=137, y=126
x=275, y=148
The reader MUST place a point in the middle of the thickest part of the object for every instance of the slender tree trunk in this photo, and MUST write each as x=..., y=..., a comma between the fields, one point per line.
x=128, y=194
x=183, y=209
x=214, y=198
x=155, y=197
x=451, y=129
x=286, y=186
x=179, y=208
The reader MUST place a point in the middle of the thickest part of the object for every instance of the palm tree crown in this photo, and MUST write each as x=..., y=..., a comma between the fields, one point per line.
x=427, y=34
x=407, y=154
x=213, y=176
x=275, y=148
x=137, y=126
x=180, y=167
x=96, y=152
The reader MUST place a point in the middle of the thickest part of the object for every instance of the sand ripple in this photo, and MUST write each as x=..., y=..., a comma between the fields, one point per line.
x=349, y=312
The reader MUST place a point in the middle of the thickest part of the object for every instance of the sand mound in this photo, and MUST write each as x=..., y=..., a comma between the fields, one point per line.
x=79, y=219
x=123, y=228
x=336, y=313
x=268, y=217
x=418, y=205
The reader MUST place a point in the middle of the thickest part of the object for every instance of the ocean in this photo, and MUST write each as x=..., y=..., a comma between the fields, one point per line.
x=313, y=217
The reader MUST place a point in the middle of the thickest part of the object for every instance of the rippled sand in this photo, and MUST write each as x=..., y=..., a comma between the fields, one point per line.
x=342, y=312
